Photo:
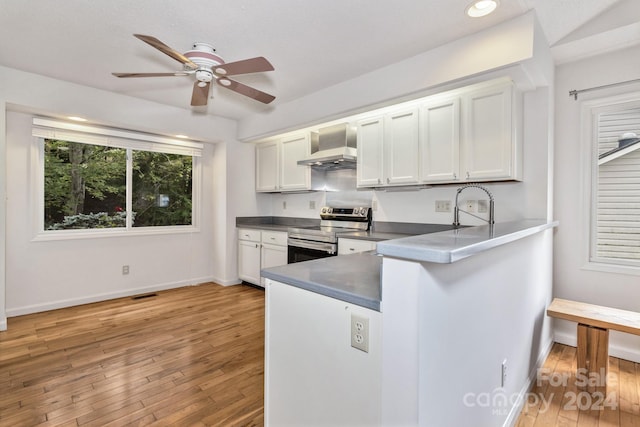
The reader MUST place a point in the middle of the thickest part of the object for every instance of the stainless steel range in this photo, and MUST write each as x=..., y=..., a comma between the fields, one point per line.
x=307, y=243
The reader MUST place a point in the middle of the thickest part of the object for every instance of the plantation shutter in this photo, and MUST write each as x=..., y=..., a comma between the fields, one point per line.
x=618, y=189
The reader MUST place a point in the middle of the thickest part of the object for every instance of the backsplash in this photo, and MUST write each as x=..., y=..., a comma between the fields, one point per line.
x=415, y=206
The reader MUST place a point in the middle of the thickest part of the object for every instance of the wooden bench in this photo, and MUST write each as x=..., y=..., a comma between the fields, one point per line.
x=594, y=323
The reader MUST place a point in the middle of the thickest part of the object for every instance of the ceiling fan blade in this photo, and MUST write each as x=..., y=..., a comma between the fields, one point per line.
x=200, y=94
x=166, y=49
x=178, y=73
x=246, y=90
x=246, y=66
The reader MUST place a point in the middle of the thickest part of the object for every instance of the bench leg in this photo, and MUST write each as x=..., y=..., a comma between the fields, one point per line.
x=593, y=356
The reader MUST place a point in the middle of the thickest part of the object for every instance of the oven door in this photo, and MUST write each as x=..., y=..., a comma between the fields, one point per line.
x=306, y=250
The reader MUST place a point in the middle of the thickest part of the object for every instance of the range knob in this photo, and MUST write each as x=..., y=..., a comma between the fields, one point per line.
x=324, y=210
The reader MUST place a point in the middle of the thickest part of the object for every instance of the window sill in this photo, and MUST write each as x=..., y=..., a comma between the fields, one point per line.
x=612, y=268
x=48, y=236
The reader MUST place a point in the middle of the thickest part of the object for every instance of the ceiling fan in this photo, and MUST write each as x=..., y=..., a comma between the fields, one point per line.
x=202, y=62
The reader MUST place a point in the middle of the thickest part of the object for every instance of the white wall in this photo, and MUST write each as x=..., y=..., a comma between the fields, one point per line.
x=478, y=312
x=571, y=279
x=42, y=275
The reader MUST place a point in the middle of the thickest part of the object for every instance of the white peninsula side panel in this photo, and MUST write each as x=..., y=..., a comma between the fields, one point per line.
x=312, y=374
x=448, y=328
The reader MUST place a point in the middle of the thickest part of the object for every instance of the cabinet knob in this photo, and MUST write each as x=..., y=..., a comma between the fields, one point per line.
x=272, y=238
x=379, y=182
x=468, y=176
x=256, y=245
x=246, y=235
x=388, y=181
x=455, y=176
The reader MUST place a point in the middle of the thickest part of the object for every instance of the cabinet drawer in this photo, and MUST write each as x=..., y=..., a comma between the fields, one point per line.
x=278, y=238
x=249, y=234
x=353, y=246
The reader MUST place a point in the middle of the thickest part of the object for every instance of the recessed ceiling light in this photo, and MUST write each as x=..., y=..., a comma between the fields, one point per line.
x=77, y=119
x=481, y=8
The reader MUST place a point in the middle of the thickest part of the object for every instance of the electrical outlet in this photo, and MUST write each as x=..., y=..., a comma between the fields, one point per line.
x=284, y=204
x=471, y=206
x=125, y=269
x=443, y=205
x=483, y=206
x=360, y=333
x=312, y=204
x=504, y=373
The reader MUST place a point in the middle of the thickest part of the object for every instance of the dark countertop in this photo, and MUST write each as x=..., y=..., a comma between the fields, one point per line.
x=350, y=278
x=275, y=223
x=450, y=246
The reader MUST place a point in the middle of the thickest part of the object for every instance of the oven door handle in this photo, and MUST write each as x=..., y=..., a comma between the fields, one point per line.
x=329, y=248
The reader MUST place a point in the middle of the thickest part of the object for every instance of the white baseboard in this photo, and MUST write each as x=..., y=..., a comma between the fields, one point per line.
x=87, y=299
x=3, y=324
x=522, y=395
x=615, y=350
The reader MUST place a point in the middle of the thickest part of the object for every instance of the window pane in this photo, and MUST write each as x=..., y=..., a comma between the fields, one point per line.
x=84, y=186
x=618, y=186
x=162, y=189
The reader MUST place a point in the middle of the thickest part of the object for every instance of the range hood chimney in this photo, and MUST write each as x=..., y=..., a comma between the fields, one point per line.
x=335, y=148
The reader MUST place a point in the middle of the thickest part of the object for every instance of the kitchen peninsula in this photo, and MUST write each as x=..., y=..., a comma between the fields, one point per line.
x=421, y=305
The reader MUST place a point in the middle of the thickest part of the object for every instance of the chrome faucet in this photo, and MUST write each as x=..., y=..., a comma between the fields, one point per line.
x=456, y=209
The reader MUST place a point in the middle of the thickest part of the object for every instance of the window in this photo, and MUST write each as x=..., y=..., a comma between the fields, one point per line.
x=99, y=178
x=615, y=170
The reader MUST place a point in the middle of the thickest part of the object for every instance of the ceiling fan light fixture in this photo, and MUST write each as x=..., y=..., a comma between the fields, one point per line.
x=224, y=82
x=220, y=70
x=481, y=8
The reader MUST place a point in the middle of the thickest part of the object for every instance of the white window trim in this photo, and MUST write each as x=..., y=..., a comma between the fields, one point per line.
x=113, y=138
x=588, y=170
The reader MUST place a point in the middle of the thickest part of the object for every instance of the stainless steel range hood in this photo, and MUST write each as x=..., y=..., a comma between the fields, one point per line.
x=335, y=148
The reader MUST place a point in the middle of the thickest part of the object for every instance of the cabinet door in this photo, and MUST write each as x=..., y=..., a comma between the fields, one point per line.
x=370, y=155
x=249, y=261
x=354, y=246
x=487, y=146
x=440, y=140
x=292, y=175
x=401, y=148
x=267, y=166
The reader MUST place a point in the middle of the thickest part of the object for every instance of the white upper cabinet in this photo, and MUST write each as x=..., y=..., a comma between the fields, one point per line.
x=293, y=176
x=440, y=140
x=401, y=148
x=277, y=168
x=488, y=140
x=268, y=166
x=370, y=152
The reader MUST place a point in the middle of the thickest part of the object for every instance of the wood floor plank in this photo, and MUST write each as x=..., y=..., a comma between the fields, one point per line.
x=163, y=360
x=580, y=408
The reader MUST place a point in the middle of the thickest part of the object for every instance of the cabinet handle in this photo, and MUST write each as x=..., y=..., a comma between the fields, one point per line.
x=455, y=176
x=468, y=175
x=256, y=245
x=388, y=181
x=272, y=238
x=352, y=249
x=246, y=235
x=379, y=182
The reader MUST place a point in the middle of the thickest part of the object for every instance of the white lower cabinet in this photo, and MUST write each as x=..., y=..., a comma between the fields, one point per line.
x=354, y=246
x=258, y=249
x=313, y=376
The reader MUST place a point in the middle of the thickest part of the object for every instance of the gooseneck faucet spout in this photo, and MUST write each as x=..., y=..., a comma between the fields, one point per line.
x=456, y=209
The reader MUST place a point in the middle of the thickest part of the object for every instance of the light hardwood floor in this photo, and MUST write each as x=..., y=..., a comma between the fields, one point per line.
x=188, y=356
x=195, y=356
x=573, y=406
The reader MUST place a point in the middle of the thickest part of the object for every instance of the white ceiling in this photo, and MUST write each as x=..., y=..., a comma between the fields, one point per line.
x=312, y=45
